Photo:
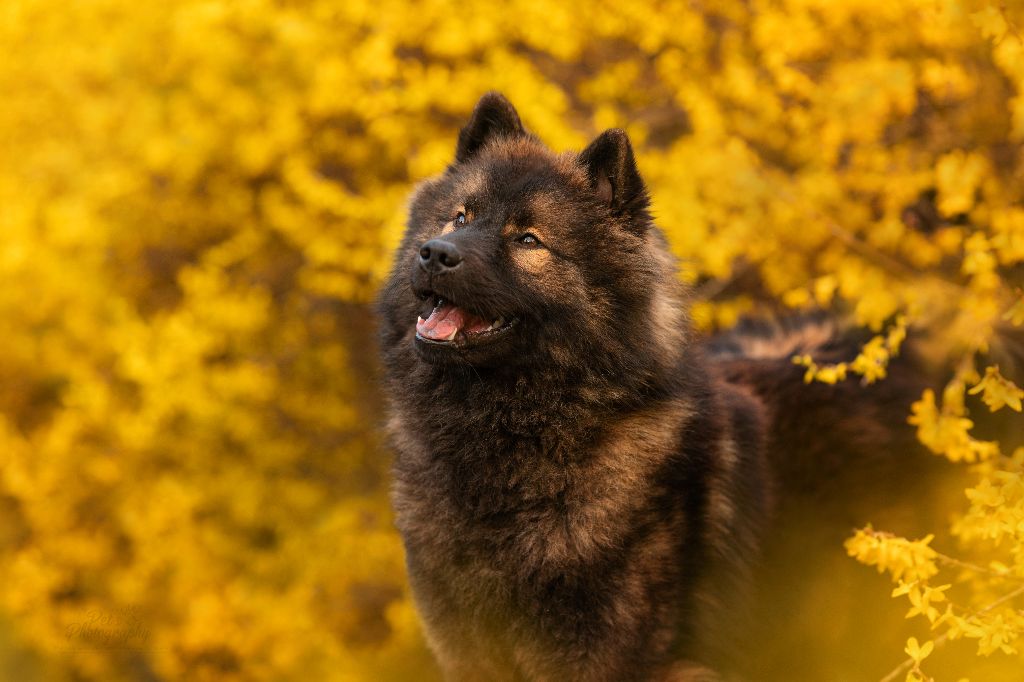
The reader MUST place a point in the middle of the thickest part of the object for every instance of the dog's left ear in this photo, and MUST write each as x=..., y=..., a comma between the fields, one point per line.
x=492, y=117
x=612, y=170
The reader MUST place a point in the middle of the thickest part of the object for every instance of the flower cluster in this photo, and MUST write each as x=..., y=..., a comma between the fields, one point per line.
x=870, y=363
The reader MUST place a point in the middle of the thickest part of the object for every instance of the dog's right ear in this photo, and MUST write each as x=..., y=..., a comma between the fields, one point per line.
x=494, y=116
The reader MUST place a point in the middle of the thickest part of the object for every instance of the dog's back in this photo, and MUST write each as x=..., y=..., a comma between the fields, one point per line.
x=822, y=438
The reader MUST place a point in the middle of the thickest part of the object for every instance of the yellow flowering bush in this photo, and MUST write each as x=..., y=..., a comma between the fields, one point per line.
x=198, y=201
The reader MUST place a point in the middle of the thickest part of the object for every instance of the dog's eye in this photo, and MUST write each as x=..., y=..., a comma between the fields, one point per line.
x=460, y=219
x=528, y=240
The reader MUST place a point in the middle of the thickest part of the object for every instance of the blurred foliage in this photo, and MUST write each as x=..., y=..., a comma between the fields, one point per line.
x=199, y=198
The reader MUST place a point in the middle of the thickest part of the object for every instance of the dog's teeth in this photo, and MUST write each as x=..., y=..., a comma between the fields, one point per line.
x=419, y=320
x=452, y=335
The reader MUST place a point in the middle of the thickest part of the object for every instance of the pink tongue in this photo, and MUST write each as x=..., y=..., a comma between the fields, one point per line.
x=444, y=320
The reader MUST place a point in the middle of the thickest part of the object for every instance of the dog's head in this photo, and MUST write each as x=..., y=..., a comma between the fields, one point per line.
x=516, y=254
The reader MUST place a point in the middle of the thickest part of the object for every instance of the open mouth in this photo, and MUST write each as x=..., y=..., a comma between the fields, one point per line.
x=448, y=324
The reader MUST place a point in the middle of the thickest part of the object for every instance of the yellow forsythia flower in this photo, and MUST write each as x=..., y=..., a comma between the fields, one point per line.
x=998, y=391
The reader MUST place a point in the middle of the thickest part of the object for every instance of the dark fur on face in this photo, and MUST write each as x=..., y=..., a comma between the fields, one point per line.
x=581, y=489
x=590, y=239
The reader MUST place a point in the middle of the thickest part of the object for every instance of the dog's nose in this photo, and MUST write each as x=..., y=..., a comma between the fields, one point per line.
x=437, y=255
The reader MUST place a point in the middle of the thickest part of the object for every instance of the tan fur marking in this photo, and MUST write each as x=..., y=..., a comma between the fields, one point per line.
x=666, y=323
x=531, y=260
x=448, y=228
x=721, y=509
x=789, y=342
x=728, y=456
x=667, y=314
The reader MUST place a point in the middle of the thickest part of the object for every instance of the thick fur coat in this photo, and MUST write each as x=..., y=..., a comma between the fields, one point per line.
x=581, y=486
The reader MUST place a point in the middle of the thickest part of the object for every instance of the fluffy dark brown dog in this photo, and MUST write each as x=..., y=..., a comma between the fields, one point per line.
x=581, y=486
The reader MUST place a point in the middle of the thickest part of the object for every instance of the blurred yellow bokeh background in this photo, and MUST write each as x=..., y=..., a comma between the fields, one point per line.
x=198, y=199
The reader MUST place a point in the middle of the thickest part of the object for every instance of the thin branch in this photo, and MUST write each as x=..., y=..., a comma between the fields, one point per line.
x=713, y=287
x=1009, y=24
x=871, y=253
x=909, y=663
x=975, y=568
x=939, y=641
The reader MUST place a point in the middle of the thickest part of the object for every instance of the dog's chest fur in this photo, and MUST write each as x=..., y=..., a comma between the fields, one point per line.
x=550, y=500
x=517, y=544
